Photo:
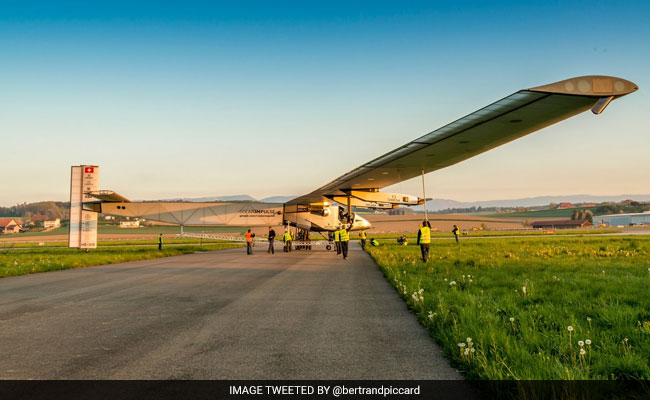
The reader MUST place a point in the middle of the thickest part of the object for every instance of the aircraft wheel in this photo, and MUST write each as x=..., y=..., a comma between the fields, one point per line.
x=328, y=247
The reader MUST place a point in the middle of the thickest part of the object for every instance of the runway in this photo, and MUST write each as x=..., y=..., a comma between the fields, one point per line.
x=215, y=315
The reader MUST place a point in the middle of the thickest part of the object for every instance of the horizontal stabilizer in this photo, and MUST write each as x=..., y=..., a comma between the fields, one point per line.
x=109, y=196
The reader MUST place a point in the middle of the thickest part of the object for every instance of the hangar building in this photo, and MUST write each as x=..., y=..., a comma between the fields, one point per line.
x=623, y=219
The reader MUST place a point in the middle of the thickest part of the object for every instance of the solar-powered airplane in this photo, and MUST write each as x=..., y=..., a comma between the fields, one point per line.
x=330, y=207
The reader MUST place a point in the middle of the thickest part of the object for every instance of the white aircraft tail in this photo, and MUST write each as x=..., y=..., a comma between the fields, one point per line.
x=83, y=217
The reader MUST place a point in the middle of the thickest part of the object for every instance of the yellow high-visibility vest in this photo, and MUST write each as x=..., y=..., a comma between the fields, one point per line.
x=362, y=234
x=287, y=236
x=337, y=236
x=345, y=236
x=425, y=235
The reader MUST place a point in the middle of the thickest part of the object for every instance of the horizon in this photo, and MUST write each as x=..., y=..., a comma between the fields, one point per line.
x=624, y=196
x=175, y=101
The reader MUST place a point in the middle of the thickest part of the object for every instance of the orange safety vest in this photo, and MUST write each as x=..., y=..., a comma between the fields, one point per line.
x=249, y=237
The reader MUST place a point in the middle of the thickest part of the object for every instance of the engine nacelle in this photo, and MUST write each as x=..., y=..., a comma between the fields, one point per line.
x=383, y=198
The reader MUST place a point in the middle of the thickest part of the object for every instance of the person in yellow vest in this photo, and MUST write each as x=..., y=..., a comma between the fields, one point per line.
x=362, y=236
x=345, y=240
x=337, y=241
x=287, y=238
x=456, y=232
x=424, y=238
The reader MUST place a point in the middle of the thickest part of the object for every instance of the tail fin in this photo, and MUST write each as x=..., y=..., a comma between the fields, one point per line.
x=83, y=217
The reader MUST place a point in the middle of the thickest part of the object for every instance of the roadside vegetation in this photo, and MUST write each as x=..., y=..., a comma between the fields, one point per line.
x=487, y=233
x=531, y=308
x=13, y=263
x=533, y=214
x=153, y=242
x=164, y=229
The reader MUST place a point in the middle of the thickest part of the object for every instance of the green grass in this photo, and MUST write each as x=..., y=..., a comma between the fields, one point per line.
x=598, y=286
x=104, y=243
x=13, y=263
x=413, y=235
x=555, y=213
x=165, y=229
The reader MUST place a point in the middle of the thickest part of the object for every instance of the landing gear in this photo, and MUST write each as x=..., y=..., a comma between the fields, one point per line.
x=303, y=236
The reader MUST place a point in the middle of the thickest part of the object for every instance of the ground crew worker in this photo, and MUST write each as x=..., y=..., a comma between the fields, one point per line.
x=160, y=240
x=337, y=241
x=345, y=240
x=456, y=232
x=374, y=242
x=287, y=238
x=424, y=238
x=362, y=236
x=271, y=240
x=249, y=242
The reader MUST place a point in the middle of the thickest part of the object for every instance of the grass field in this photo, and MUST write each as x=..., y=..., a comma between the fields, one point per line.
x=154, y=230
x=107, y=243
x=489, y=233
x=13, y=263
x=555, y=213
x=532, y=308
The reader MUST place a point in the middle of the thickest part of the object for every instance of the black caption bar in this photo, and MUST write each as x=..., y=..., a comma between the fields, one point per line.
x=241, y=390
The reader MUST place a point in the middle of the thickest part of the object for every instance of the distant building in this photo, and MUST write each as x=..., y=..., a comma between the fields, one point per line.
x=38, y=217
x=566, y=205
x=623, y=219
x=588, y=205
x=9, y=225
x=129, y=224
x=54, y=223
x=562, y=224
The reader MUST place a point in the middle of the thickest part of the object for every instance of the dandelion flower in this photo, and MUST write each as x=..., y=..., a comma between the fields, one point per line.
x=570, y=328
x=469, y=340
x=582, y=352
x=466, y=351
x=472, y=349
x=461, y=345
x=588, y=319
x=452, y=283
x=588, y=342
x=512, y=319
x=581, y=343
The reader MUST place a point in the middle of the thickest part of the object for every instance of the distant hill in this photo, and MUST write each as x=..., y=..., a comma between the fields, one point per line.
x=237, y=197
x=51, y=209
x=443, y=204
x=59, y=209
x=277, y=199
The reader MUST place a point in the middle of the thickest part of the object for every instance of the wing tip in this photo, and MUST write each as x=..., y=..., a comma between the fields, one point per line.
x=590, y=85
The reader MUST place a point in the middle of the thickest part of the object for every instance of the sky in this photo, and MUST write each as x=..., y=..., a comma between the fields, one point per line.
x=193, y=99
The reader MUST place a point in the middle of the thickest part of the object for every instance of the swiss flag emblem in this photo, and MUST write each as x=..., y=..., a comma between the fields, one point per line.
x=89, y=170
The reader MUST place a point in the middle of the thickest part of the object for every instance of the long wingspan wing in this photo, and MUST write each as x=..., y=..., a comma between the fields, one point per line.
x=510, y=118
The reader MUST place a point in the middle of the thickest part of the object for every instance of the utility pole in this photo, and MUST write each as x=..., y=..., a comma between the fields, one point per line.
x=424, y=194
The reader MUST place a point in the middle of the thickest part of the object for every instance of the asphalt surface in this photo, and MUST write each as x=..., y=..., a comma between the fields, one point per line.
x=216, y=315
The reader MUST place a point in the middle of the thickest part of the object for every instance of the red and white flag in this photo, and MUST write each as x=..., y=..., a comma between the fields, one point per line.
x=89, y=170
